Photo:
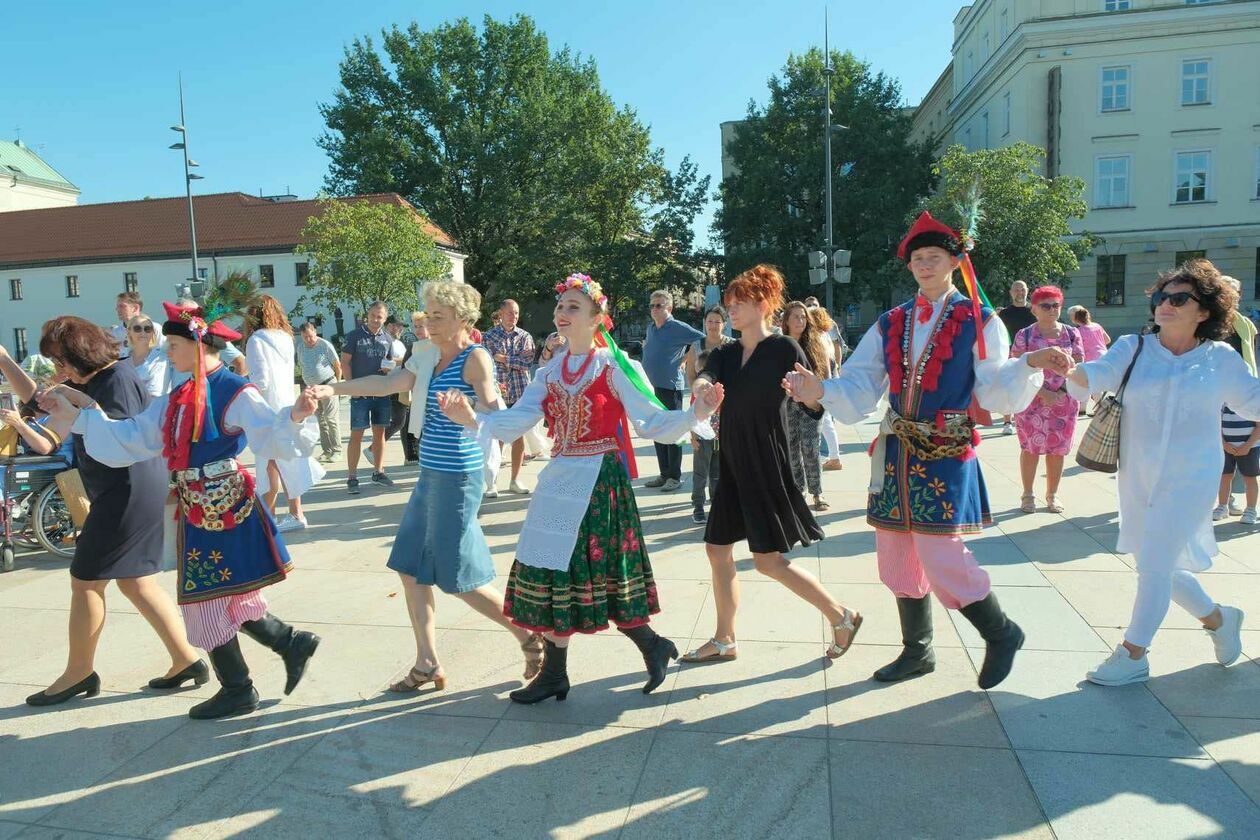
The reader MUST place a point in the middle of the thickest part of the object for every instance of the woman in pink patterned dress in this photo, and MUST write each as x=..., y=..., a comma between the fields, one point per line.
x=1047, y=425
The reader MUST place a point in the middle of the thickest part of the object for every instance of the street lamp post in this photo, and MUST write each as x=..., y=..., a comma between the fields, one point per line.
x=828, y=71
x=189, y=177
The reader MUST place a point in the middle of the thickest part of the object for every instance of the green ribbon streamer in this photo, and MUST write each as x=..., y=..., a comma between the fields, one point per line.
x=631, y=372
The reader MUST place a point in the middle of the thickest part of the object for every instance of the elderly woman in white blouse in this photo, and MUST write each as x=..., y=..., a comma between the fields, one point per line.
x=1171, y=457
x=148, y=358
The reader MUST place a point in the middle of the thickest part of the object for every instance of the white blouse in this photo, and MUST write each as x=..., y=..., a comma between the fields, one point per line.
x=154, y=371
x=560, y=500
x=270, y=355
x=1170, y=443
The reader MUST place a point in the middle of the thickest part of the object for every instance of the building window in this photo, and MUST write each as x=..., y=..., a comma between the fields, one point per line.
x=1191, y=179
x=302, y=272
x=970, y=67
x=15, y=288
x=1115, y=5
x=203, y=273
x=19, y=343
x=129, y=282
x=984, y=125
x=267, y=276
x=1256, y=194
x=1110, y=280
x=1113, y=90
x=1111, y=181
x=984, y=48
x=1183, y=257
x=1006, y=113
x=72, y=285
x=1195, y=77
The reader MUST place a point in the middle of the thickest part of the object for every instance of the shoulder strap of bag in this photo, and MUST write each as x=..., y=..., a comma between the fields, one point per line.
x=1129, y=370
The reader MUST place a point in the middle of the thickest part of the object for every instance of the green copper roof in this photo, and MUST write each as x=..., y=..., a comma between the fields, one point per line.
x=16, y=158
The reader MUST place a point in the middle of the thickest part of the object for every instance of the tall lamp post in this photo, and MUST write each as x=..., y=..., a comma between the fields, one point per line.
x=828, y=71
x=189, y=177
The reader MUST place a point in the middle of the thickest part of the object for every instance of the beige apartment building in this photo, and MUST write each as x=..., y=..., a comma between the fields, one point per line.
x=1155, y=104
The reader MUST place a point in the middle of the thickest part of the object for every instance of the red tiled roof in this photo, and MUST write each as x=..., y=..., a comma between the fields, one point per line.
x=226, y=222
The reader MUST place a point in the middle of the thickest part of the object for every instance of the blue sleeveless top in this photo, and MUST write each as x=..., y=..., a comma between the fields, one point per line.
x=447, y=446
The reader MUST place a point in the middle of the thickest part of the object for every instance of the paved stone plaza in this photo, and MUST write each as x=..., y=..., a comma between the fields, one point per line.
x=779, y=743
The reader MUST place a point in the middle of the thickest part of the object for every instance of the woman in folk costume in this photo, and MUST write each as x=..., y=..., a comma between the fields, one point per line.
x=228, y=546
x=581, y=562
x=931, y=355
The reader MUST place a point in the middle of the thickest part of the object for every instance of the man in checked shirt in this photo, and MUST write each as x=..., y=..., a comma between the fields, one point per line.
x=512, y=349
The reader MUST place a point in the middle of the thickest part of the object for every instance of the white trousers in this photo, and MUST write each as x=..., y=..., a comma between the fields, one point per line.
x=1155, y=590
x=828, y=427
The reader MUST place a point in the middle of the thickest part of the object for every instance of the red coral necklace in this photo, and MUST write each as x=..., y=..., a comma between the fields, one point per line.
x=573, y=378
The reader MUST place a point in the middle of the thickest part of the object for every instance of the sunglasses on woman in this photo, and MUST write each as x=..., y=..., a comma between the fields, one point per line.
x=1176, y=299
x=142, y=328
x=1054, y=304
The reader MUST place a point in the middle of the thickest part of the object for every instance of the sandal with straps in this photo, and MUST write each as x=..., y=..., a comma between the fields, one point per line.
x=852, y=622
x=1052, y=504
x=1028, y=503
x=534, y=649
x=417, y=679
x=723, y=653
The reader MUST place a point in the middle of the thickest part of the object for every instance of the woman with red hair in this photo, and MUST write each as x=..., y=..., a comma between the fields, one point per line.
x=757, y=498
x=1047, y=425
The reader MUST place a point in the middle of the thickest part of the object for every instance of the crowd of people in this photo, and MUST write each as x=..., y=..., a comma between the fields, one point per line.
x=151, y=410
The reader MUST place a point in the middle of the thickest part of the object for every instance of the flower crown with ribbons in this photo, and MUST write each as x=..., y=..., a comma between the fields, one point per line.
x=584, y=284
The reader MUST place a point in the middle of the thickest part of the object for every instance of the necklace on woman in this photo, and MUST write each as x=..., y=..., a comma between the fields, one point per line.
x=576, y=376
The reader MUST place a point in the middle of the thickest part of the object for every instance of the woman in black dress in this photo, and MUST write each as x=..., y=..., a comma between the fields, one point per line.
x=757, y=499
x=121, y=539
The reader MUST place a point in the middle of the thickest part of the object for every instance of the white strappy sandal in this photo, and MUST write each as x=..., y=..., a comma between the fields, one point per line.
x=724, y=653
x=852, y=622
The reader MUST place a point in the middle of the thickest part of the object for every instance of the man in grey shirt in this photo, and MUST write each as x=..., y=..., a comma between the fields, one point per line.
x=320, y=366
x=663, y=350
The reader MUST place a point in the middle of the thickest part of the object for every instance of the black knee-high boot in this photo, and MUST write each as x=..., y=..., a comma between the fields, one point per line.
x=295, y=647
x=916, y=655
x=552, y=680
x=236, y=694
x=1002, y=639
x=657, y=652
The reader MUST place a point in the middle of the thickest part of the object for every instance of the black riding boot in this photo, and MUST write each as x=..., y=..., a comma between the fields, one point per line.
x=236, y=695
x=657, y=652
x=295, y=647
x=1002, y=639
x=552, y=680
x=916, y=655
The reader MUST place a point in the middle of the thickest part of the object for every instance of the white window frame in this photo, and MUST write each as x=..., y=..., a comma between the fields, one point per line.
x=1116, y=5
x=1102, y=89
x=1006, y=114
x=15, y=288
x=1108, y=202
x=1207, y=82
x=1208, y=194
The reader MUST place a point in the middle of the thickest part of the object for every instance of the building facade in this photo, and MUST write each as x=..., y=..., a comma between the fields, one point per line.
x=76, y=260
x=28, y=183
x=1153, y=103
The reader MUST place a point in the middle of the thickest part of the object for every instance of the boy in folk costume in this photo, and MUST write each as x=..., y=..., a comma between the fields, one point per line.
x=931, y=355
x=228, y=546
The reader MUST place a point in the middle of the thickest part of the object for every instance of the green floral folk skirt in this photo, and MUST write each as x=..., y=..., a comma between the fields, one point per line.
x=609, y=577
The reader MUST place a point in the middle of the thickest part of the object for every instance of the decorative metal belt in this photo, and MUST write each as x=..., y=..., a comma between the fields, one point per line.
x=952, y=437
x=209, y=495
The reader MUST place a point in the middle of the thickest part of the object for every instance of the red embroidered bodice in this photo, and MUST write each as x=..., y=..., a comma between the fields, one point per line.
x=584, y=423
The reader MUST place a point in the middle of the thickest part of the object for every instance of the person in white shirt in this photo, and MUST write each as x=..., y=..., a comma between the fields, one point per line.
x=144, y=354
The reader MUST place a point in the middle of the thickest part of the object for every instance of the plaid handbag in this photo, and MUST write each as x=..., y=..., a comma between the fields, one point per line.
x=1100, y=447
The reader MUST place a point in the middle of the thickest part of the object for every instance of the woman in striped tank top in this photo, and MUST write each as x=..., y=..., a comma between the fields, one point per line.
x=442, y=512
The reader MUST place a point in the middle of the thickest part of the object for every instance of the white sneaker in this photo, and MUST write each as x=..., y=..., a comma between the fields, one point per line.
x=491, y=493
x=518, y=488
x=1227, y=639
x=290, y=523
x=1234, y=507
x=1008, y=429
x=1219, y=513
x=1248, y=516
x=1120, y=669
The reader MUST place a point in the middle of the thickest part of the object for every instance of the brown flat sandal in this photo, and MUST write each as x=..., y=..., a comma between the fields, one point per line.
x=853, y=623
x=417, y=679
x=534, y=649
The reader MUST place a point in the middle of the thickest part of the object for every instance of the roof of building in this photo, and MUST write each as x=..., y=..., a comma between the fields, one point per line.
x=150, y=228
x=17, y=159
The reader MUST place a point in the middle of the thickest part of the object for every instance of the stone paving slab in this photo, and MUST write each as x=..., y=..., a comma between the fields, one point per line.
x=779, y=743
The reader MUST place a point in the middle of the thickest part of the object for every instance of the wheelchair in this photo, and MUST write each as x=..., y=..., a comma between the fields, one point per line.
x=33, y=513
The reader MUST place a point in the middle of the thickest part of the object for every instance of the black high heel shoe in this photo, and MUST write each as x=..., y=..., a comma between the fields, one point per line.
x=198, y=672
x=89, y=686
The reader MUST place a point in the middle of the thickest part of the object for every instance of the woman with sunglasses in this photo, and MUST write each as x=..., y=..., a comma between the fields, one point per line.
x=1171, y=458
x=1047, y=425
x=146, y=356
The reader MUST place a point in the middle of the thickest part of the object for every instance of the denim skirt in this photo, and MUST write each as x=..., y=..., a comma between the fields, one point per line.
x=440, y=542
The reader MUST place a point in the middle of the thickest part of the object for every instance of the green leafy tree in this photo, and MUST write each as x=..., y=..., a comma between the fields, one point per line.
x=514, y=150
x=362, y=251
x=773, y=207
x=1024, y=231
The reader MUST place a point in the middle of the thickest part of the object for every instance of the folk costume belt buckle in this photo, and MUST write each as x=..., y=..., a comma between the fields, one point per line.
x=218, y=469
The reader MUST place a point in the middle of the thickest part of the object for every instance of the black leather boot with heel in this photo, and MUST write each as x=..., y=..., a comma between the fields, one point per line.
x=552, y=680
x=295, y=647
x=236, y=694
x=916, y=657
x=657, y=652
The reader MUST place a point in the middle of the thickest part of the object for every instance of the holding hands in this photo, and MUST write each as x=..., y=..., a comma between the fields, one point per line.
x=708, y=396
x=55, y=403
x=457, y=408
x=1054, y=359
x=321, y=392
x=305, y=406
x=803, y=385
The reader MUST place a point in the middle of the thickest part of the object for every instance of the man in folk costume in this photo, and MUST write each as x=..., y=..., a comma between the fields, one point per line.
x=228, y=547
x=931, y=356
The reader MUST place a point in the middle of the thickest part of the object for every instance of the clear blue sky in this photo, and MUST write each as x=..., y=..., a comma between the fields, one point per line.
x=93, y=85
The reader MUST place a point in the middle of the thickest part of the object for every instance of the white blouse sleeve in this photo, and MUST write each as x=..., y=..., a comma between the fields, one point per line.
x=862, y=380
x=1105, y=372
x=1242, y=390
x=511, y=423
x=121, y=443
x=259, y=368
x=271, y=433
x=1003, y=385
x=650, y=422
